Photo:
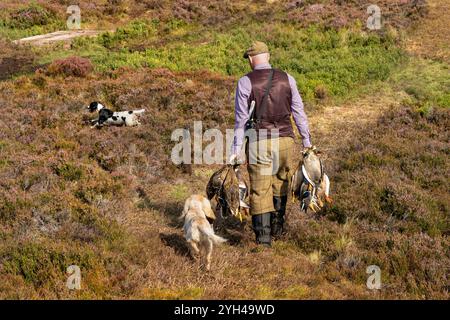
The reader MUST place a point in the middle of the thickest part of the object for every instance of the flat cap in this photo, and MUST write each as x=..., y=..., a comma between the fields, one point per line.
x=257, y=47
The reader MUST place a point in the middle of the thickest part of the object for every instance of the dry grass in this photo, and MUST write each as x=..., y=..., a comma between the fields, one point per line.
x=101, y=15
x=431, y=38
x=114, y=193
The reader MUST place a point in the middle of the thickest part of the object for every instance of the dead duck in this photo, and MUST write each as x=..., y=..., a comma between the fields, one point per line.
x=309, y=184
x=229, y=189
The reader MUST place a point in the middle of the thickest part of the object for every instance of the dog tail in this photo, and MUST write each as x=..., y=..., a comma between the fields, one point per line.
x=209, y=232
x=139, y=111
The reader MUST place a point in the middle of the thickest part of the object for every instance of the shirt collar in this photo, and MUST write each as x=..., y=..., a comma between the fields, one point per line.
x=262, y=66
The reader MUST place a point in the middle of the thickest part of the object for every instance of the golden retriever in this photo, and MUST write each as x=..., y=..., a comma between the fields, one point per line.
x=198, y=232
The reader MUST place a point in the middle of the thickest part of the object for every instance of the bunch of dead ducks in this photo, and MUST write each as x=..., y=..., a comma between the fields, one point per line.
x=309, y=185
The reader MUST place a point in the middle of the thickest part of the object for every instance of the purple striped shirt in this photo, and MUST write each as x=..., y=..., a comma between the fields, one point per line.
x=243, y=91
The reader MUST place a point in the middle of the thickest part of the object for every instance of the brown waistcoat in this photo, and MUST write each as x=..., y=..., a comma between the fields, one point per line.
x=278, y=106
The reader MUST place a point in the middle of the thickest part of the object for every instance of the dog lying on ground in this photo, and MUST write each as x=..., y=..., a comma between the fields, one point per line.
x=108, y=117
x=198, y=232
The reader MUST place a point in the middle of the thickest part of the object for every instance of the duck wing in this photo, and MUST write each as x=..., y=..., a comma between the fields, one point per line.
x=296, y=181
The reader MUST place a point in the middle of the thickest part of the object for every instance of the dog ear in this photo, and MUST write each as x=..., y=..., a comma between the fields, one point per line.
x=209, y=213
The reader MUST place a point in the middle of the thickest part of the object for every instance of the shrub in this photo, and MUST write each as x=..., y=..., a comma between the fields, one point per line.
x=69, y=172
x=320, y=92
x=72, y=66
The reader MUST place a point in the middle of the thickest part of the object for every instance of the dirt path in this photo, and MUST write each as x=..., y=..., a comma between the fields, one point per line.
x=57, y=36
x=334, y=125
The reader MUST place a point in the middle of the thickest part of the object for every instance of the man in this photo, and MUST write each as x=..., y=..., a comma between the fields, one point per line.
x=268, y=191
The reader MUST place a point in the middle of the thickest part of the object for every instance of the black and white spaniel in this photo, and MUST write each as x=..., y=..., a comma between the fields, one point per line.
x=108, y=117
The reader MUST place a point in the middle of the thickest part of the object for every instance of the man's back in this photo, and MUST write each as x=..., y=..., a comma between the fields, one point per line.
x=269, y=167
x=277, y=113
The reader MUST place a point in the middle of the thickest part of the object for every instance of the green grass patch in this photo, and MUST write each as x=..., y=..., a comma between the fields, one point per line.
x=426, y=82
x=179, y=192
x=69, y=172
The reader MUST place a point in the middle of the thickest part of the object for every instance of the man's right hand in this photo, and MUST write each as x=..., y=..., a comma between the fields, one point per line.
x=311, y=148
x=236, y=159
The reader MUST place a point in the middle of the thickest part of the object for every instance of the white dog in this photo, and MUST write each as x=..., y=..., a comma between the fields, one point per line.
x=108, y=117
x=197, y=230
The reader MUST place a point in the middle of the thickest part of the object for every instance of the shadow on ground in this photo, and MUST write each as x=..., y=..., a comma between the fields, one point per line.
x=177, y=242
x=171, y=210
